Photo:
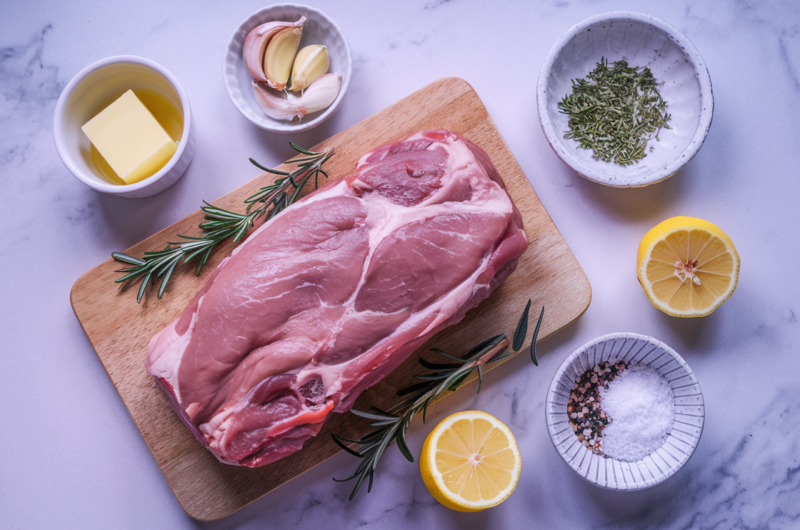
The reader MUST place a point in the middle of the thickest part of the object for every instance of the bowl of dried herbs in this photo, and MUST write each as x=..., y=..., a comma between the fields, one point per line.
x=625, y=99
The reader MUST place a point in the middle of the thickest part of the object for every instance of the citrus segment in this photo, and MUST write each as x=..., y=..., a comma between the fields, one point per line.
x=687, y=266
x=470, y=461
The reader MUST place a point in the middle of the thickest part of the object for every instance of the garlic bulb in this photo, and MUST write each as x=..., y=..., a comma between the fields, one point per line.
x=318, y=96
x=310, y=64
x=256, y=42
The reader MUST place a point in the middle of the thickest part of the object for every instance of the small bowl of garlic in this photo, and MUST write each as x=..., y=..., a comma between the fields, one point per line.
x=287, y=68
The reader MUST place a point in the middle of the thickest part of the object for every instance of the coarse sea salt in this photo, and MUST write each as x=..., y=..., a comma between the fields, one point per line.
x=641, y=406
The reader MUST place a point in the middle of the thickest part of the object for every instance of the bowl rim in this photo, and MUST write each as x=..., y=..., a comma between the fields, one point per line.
x=58, y=122
x=692, y=54
x=230, y=81
x=583, y=350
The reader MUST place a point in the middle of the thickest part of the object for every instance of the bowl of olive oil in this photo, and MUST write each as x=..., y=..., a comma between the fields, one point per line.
x=98, y=87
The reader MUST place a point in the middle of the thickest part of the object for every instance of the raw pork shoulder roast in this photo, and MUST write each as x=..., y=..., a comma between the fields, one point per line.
x=334, y=293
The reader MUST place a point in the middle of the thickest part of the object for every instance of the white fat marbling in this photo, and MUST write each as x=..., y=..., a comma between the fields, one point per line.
x=72, y=458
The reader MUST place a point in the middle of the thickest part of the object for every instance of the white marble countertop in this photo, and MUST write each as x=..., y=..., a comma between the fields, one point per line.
x=72, y=457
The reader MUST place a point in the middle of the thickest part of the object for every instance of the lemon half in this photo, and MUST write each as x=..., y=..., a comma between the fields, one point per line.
x=470, y=461
x=687, y=266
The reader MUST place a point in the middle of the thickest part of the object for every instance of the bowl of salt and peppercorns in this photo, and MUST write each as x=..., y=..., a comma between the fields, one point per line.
x=625, y=411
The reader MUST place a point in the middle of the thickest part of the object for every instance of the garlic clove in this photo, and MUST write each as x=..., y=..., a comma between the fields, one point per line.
x=279, y=56
x=255, y=45
x=275, y=106
x=310, y=64
x=320, y=94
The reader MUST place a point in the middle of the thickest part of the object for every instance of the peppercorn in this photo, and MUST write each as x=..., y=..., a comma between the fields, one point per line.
x=586, y=417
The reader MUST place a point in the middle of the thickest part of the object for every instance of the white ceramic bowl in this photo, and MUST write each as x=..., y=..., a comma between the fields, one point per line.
x=89, y=92
x=319, y=29
x=642, y=41
x=686, y=429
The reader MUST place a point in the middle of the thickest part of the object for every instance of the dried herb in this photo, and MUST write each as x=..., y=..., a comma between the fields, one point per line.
x=391, y=426
x=221, y=224
x=615, y=111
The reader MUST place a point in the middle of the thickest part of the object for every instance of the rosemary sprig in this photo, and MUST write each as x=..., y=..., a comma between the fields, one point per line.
x=221, y=224
x=615, y=111
x=391, y=426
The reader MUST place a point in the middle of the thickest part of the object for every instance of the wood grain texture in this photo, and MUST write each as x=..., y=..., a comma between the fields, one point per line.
x=120, y=329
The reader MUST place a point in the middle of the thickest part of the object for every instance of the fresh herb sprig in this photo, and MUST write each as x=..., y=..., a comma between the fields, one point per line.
x=391, y=426
x=615, y=111
x=221, y=224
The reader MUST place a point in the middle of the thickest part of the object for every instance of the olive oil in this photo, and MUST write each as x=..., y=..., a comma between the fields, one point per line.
x=163, y=110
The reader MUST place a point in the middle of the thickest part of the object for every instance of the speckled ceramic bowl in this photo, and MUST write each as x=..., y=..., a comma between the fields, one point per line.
x=686, y=428
x=642, y=41
x=319, y=29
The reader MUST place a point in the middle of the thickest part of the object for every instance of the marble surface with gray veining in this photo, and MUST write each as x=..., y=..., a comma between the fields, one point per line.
x=72, y=457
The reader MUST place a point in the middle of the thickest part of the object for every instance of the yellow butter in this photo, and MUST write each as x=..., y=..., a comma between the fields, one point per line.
x=130, y=139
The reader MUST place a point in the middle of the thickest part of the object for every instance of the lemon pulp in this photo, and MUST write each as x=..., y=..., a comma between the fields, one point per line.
x=687, y=266
x=470, y=461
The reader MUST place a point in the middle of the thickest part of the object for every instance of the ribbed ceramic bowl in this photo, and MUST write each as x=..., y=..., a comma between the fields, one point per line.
x=680, y=443
x=89, y=92
x=642, y=41
x=319, y=29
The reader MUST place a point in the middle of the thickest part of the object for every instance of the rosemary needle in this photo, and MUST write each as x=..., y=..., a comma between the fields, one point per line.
x=615, y=111
x=221, y=224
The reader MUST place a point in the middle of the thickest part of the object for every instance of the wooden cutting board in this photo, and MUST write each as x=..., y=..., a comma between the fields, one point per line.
x=120, y=329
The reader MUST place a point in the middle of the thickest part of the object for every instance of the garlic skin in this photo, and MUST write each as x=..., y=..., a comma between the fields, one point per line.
x=318, y=96
x=275, y=106
x=279, y=56
x=255, y=45
x=310, y=64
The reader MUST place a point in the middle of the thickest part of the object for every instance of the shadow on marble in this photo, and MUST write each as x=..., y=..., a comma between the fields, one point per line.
x=133, y=220
x=637, y=204
x=693, y=332
x=633, y=506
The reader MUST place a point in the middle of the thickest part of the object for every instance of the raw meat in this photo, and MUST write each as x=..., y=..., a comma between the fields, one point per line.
x=335, y=292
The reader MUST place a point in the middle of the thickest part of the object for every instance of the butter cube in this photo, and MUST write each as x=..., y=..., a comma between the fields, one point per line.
x=130, y=139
